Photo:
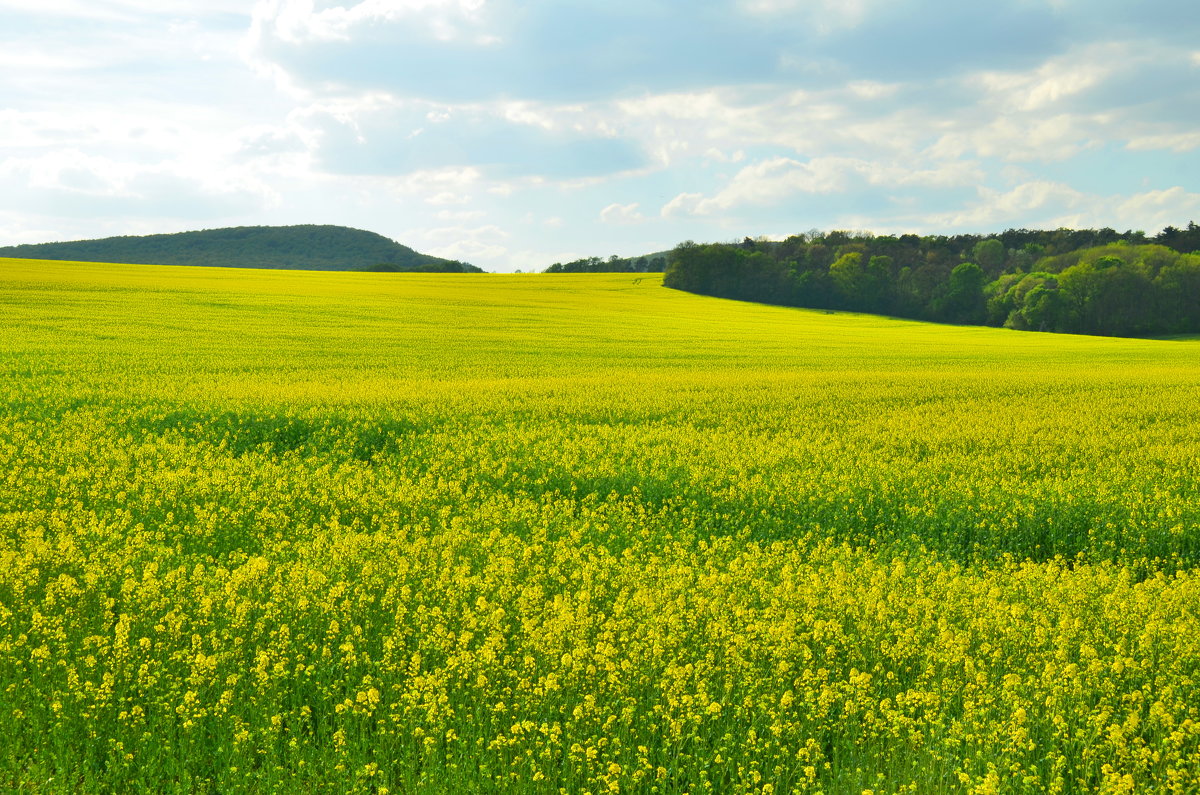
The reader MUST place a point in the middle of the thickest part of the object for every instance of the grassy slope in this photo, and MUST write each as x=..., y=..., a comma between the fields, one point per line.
x=880, y=406
x=636, y=477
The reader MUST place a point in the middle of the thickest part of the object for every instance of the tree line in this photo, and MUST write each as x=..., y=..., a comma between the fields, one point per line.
x=1073, y=281
x=650, y=263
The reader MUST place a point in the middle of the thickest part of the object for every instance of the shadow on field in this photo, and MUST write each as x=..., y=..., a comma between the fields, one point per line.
x=243, y=433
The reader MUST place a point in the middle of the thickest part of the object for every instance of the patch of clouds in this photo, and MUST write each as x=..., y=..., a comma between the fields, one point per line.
x=872, y=89
x=994, y=209
x=622, y=214
x=528, y=50
x=1106, y=76
x=73, y=171
x=1176, y=142
x=33, y=59
x=929, y=39
x=544, y=50
x=466, y=243
x=387, y=136
x=776, y=180
x=1047, y=85
x=107, y=165
x=438, y=187
x=447, y=197
x=471, y=119
x=1156, y=209
x=825, y=15
x=459, y=216
x=81, y=200
x=1164, y=20
x=1086, y=99
x=716, y=155
x=1017, y=140
x=300, y=21
x=1041, y=204
x=124, y=10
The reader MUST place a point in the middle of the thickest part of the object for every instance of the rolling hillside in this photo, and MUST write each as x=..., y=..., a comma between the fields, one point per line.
x=304, y=247
x=345, y=532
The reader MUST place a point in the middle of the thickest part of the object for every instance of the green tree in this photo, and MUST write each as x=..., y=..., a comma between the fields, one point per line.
x=989, y=254
x=861, y=287
x=846, y=273
x=1042, y=309
x=1177, y=288
x=1108, y=296
x=963, y=300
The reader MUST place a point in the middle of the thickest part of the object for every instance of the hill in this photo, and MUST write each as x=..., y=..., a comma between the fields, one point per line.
x=302, y=247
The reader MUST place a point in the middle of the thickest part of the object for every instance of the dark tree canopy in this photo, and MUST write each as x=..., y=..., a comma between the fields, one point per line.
x=1077, y=281
x=648, y=263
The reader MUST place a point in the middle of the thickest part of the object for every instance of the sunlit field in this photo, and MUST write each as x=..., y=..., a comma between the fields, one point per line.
x=395, y=533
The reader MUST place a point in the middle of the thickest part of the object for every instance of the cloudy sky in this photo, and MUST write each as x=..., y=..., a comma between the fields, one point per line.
x=516, y=133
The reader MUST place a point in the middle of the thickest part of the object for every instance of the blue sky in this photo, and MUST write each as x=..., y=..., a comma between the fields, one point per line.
x=516, y=134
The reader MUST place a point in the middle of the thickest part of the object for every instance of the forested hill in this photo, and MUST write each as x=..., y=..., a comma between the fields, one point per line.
x=1075, y=281
x=304, y=247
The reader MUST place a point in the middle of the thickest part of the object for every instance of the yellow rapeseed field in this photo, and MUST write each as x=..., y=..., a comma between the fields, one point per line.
x=380, y=533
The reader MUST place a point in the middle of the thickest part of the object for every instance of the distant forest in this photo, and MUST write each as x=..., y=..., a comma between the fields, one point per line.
x=1074, y=281
x=650, y=263
x=304, y=247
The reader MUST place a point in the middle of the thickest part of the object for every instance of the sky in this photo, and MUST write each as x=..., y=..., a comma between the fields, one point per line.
x=513, y=134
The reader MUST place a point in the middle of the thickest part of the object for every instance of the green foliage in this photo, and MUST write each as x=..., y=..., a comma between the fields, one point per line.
x=1182, y=240
x=1123, y=287
x=648, y=263
x=963, y=300
x=740, y=272
x=305, y=247
x=1114, y=290
x=989, y=253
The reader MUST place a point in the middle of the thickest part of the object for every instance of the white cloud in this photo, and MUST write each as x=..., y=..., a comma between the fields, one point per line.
x=774, y=180
x=1050, y=83
x=1089, y=96
x=826, y=15
x=16, y=228
x=33, y=59
x=451, y=182
x=871, y=89
x=1156, y=209
x=1050, y=205
x=683, y=204
x=1039, y=199
x=716, y=155
x=460, y=215
x=1015, y=140
x=299, y=21
x=447, y=197
x=1176, y=142
x=464, y=242
x=622, y=214
x=71, y=170
x=124, y=10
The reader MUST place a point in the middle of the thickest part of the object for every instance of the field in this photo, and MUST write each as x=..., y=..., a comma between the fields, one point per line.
x=314, y=532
